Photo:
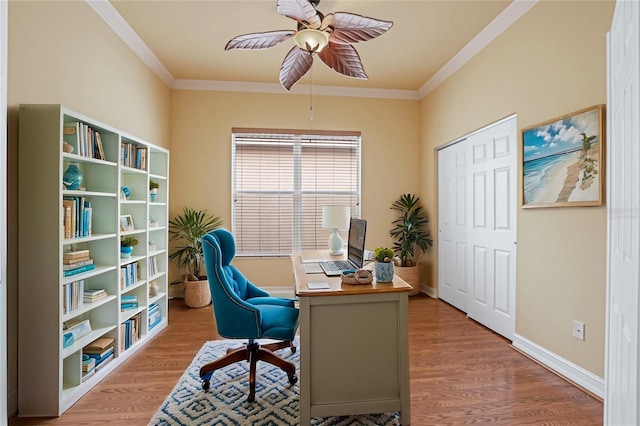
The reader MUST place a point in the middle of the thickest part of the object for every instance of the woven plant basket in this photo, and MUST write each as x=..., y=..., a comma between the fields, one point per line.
x=410, y=274
x=196, y=293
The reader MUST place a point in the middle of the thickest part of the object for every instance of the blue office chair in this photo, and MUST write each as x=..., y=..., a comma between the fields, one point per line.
x=243, y=311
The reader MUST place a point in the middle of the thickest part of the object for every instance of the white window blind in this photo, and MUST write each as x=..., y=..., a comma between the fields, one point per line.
x=280, y=183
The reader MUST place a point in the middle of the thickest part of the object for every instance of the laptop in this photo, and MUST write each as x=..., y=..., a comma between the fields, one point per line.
x=355, y=250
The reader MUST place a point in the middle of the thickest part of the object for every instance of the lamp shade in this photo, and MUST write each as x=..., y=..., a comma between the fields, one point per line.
x=336, y=217
x=310, y=40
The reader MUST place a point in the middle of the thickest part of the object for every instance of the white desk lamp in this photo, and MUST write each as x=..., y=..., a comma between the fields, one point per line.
x=337, y=219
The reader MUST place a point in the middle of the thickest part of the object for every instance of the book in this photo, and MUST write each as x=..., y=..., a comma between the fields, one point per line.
x=128, y=298
x=126, y=306
x=69, y=255
x=100, y=147
x=78, y=329
x=88, y=374
x=104, y=362
x=74, y=265
x=98, y=345
x=76, y=260
x=79, y=270
x=69, y=216
x=99, y=356
x=88, y=363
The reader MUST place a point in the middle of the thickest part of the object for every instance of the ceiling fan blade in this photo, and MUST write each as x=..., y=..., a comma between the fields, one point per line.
x=301, y=11
x=351, y=28
x=343, y=58
x=259, y=40
x=295, y=65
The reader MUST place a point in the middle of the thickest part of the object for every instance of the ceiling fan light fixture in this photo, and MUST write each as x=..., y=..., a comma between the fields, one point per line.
x=310, y=40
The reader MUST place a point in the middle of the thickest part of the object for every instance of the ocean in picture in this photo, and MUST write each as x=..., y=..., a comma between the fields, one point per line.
x=537, y=173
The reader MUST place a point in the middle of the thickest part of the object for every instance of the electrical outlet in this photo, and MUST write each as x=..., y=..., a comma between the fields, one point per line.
x=578, y=330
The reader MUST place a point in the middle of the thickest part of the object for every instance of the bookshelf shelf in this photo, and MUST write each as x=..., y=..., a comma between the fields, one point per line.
x=54, y=221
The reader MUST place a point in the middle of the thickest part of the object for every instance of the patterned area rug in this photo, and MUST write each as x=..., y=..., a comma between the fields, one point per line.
x=225, y=403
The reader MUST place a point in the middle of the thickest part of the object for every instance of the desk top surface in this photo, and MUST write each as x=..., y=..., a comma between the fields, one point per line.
x=336, y=287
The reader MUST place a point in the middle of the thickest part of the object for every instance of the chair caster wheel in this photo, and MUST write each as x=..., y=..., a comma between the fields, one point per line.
x=293, y=379
x=206, y=385
x=293, y=349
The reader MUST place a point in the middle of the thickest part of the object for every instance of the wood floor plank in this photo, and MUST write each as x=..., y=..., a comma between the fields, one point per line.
x=461, y=374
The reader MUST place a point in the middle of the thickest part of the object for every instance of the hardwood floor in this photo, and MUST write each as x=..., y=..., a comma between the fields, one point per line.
x=461, y=373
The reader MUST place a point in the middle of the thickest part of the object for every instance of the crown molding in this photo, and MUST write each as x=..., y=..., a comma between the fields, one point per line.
x=298, y=89
x=504, y=20
x=117, y=23
x=509, y=15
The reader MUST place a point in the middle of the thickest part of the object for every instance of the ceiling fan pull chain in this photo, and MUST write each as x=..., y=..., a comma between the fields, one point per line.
x=310, y=95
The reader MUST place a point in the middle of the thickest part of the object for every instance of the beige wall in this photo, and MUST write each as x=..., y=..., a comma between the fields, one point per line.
x=201, y=154
x=63, y=53
x=551, y=62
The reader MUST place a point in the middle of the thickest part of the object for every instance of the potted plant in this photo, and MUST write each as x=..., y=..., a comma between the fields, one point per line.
x=187, y=230
x=126, y=246
x=411, y=239
x=384, y=264
x=153, y=189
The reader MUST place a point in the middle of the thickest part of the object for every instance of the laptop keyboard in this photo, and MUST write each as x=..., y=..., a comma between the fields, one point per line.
x=337, y=265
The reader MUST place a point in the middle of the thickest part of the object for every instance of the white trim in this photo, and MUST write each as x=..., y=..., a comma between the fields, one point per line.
x=508, y=17
x=298, y=89
x=429, y=291
x=4, y=57
x=504, y=20
x=562, y=366
x=117, y=23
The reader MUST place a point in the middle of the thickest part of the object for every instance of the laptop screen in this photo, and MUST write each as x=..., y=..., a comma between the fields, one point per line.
x=355, y=247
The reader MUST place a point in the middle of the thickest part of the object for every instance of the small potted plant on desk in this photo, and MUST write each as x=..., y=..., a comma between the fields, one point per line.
x=126, y=246
x=384, y=264
x=187, y=231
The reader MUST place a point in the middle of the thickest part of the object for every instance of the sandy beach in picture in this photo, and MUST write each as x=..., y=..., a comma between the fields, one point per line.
x=562, y=160
x=562, y=181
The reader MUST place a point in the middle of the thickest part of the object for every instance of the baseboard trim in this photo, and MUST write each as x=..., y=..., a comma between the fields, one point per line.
x=565, y=368
x=429, y=291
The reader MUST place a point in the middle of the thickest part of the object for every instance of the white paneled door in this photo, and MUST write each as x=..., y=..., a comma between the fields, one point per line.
x=477, y=225
x=452, y=224
x=622, y=374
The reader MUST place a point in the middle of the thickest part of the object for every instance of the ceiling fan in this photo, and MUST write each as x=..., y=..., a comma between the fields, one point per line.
x=330, y=37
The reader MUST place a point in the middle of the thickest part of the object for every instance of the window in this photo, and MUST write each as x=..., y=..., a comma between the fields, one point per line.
x=280, y=182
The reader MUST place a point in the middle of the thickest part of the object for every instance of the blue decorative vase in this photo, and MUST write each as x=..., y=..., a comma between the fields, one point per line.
x=125, y=251
x=384, y=272
x=72, y=177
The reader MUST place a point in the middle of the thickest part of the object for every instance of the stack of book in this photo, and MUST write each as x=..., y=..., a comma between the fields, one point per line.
x=154, y=315
x=128, y=301
x=128, y=275
x=76, y=262
x=90, y=296
x=88, y=367
x=100, y=350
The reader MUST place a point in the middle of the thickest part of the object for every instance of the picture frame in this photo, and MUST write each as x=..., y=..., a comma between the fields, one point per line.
x=126, y=223
x=563, y=160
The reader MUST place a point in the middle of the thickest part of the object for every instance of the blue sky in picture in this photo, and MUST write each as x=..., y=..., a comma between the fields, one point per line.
x=560, y=136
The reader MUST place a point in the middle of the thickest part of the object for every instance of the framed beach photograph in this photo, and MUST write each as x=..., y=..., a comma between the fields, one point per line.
x=126, y=222
x=563, y=160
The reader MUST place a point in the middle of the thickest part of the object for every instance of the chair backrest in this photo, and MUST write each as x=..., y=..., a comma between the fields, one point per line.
x=235, y=318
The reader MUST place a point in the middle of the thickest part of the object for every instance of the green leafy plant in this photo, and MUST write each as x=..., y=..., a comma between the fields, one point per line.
x=153, y=184
x=410, y=229
x=383, y=254
x=129, y=241
x=187, y=231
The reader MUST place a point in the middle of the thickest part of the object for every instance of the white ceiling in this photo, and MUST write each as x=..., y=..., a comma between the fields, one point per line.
x=183, y=41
